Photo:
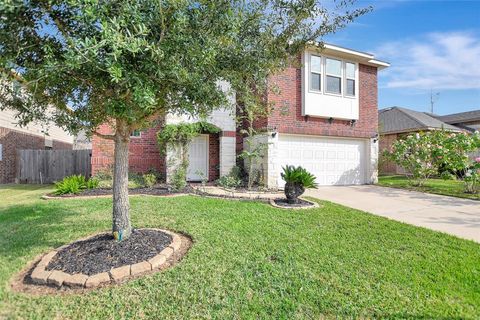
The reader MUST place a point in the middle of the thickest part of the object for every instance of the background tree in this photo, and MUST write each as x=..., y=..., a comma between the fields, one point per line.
x=82, y=63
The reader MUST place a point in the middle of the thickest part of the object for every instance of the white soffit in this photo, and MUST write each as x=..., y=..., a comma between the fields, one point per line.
x=359, y=56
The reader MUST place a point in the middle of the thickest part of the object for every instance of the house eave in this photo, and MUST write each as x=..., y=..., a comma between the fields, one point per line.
x=358, y=56
x=415, y=130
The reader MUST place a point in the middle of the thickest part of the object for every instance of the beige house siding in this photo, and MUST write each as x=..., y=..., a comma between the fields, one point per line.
x=8, y=120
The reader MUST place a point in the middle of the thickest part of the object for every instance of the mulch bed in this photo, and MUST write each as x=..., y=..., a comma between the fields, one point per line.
x=102, y=253
x=156, y=191
x=301, y=203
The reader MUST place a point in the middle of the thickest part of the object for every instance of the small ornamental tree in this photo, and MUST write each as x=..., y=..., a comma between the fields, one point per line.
x=414, y=154
x=252, y=109
x=452, y=150
x=83, y=63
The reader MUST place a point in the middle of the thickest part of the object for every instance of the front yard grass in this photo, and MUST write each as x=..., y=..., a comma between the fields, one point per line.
x=248, y=261
x=453, y=188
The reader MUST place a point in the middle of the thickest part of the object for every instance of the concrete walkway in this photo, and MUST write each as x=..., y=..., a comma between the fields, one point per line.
x=459, y=217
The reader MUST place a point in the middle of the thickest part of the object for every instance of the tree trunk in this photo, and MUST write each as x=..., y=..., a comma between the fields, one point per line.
x=121, y=219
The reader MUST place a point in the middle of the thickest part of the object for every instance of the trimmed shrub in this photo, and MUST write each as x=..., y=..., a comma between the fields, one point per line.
x=149, y=180
x=231, y=181
x=179, y=179
x=93, y=183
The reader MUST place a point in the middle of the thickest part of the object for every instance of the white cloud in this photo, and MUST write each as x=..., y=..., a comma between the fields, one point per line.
x=436, y=60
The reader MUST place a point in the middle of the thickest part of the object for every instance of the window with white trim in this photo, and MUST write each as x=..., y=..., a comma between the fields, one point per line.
x=135, y=134
x=333, y=72
x=315, y=73
x=350, y=79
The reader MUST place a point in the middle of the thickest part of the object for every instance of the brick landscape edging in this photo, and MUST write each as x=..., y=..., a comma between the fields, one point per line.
x=59, y=278
x=314, y=205
x=172, y=195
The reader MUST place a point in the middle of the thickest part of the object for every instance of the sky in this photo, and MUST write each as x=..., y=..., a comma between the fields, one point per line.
x=432, y=46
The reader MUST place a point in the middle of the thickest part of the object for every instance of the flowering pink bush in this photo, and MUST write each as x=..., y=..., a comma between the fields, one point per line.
x=429, y=153
x=415, y=154
x=472, y=177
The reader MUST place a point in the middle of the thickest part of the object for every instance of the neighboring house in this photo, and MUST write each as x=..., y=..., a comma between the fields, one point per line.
x=395, y=122
x=81, y=141
x=469, y=120
x=325, y=118
x=13, y=138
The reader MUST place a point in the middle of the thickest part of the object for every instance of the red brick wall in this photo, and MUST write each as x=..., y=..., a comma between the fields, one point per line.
x=11, y=141
x=213, y=157
x=287, y=114
x=385, y=142
x=144, y=153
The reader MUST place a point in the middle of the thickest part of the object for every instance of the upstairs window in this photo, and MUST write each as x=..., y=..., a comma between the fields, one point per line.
x=135, y=134
x=350, y=79
x=334, y=76
x=315, y=73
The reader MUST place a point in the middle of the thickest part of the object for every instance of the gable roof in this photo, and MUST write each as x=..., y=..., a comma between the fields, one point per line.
x=462, y=117
x=397, y=120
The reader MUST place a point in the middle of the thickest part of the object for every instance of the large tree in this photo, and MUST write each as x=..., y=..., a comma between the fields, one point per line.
x=82, y=63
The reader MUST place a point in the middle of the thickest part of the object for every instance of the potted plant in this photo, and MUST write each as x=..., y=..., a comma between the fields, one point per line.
x=297, y=180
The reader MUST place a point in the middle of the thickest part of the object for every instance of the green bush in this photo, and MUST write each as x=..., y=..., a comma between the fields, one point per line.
x=149, y=179
x=232, y=180
x=228, y=182
x=74, y=184
x=135, y=180
x=159, y=176
x=299, y=175
x=105, y=178
x=446, y=175
x=179, y=179
x=105, y=184
x=93, y=183
x=106, y=174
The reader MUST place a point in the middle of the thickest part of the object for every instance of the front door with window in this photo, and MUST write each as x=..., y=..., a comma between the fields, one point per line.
x=198, y=159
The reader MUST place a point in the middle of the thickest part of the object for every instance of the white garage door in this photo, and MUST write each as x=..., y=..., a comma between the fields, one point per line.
x=333, y=161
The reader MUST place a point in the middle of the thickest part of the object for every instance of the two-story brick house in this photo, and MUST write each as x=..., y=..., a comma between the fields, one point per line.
x=325, y=118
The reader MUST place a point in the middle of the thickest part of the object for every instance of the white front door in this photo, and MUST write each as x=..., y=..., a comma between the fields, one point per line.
x=198, y=158
x=334, y=161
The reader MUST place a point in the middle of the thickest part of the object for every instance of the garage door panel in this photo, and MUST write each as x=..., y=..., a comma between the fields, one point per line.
x=333, y=161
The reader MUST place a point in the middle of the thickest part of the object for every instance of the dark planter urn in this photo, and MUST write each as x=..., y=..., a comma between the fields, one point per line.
x=293, y=191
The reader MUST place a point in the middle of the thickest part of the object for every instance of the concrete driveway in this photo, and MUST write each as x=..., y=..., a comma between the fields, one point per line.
x=459, y=217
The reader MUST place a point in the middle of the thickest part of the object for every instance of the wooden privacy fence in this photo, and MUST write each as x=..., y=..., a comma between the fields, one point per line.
x=48, y=166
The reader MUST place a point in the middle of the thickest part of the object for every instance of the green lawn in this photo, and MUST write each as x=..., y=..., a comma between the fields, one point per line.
x=248, y=261
x=452, y=188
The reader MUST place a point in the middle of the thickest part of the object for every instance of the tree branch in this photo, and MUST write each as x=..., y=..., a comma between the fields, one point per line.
x=104, y=136
x=12, y=74
x=146, y=118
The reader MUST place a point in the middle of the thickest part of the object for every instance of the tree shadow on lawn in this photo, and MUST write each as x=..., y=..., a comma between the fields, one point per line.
x=433, y=199
x=40, y=227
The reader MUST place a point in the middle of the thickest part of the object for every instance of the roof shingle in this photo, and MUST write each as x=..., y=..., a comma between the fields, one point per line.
x=397, y=119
